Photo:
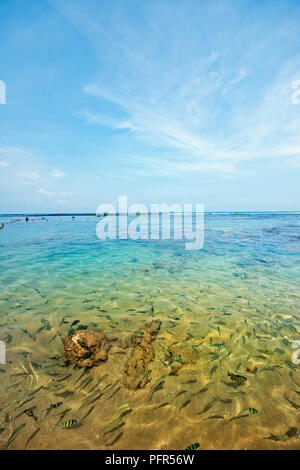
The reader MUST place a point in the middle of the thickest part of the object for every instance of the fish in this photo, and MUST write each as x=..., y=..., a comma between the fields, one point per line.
x=9, y=406
x=27, y=333
x=169, y=395
x=14, y=433
x=113, y=322
x=85, y=382
x=57, y=357
x=114, y=423
x=113, y=386
x=139, y=333
x=121, y=407
x=266, y=351
x=214, y=417
x=187, y=402
x=192, y=381
x=193, y=446
x=53, y=337
x=92, y=325
x=46, y=324
x=158, y=381
x=181, y=392
x=251, y=411
x=67, y=424
x=86, y=401
x=101, y=379
x=282, y=437
x=32, y=436
x=65, y=394
x=53, y=405
x=294, y=405
x=114, y=434
x=240, y=379
x=148, y=373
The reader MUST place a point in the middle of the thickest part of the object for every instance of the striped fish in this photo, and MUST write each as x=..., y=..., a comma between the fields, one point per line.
x=193, y=446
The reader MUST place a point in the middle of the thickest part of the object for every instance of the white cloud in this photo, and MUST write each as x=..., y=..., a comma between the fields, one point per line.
x=66, y=194
x=45, y=192
x=205, y=96
x=213, y=57
x=57, y=173
x=32, y=175
x=2, y=163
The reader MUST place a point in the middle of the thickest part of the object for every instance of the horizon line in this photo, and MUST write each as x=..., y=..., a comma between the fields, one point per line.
x=81, y=214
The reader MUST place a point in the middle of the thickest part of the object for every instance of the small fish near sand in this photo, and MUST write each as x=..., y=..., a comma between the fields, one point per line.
x=13, y=434
x=67, y=424
x=240, y=379
x=26, y=332
x=123, y=406
x=193, y=446
x=249, y=411
x=139, y=333
x=53, y=406
x=218, y=345
x=148, y=373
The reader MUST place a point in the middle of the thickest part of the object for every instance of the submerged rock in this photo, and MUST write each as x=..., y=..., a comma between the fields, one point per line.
x=136, y=366
x=181, y=355
x=86, y=348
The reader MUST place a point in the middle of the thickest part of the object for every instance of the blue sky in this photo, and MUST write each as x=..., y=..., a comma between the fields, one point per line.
x=163, y=101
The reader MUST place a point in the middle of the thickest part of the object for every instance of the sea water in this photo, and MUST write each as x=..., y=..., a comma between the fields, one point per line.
x=240, y=291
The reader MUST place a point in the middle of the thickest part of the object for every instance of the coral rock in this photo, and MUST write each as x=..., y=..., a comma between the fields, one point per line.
x=86, y=348
x=142, y=354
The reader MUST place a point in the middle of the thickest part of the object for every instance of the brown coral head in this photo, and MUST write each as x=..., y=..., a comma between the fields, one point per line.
x=86, y=348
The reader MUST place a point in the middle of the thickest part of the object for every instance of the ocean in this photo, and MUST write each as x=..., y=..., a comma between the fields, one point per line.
x=231, y=307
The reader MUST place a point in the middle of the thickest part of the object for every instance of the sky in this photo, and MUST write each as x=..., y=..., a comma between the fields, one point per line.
x=162, y=101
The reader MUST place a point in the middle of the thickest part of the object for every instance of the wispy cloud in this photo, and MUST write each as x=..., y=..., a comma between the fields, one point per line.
x=207, y=105
x=57, y=173
x=31, y=175
x=45, y=192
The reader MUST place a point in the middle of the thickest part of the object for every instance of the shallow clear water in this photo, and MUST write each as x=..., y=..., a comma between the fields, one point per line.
x=241, y=291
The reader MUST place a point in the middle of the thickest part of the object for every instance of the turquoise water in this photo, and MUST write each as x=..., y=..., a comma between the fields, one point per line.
x=241, y=290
